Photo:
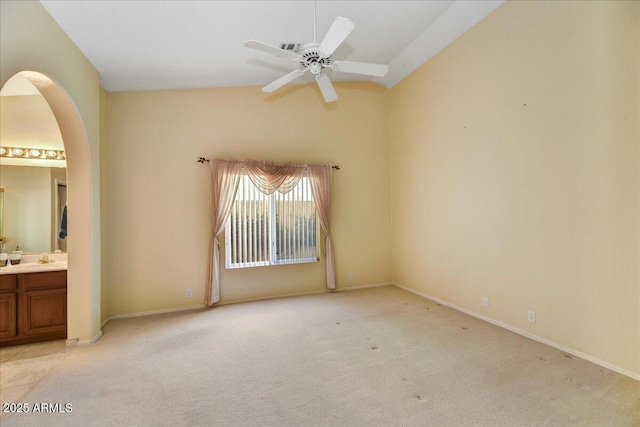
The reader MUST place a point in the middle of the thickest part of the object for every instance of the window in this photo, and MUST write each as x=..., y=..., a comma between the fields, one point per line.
x=271, y=229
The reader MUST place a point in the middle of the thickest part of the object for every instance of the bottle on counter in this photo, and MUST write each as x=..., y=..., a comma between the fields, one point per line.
x=16, y=256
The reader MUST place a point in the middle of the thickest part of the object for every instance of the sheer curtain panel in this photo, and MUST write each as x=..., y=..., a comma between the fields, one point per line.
x=225, y=177
x=321, y=187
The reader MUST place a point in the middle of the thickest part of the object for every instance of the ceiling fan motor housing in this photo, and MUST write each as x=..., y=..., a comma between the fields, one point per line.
x=312, y=58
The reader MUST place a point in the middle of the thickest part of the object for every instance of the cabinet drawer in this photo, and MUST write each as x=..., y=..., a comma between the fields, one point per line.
x=45, y=280
x=8, y=282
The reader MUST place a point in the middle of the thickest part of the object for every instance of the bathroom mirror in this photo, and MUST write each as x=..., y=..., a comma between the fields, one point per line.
x=33, y=199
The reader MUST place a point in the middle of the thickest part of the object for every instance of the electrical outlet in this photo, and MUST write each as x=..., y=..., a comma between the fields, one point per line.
x=189, y=293
x=350, y=276
x=485, y=301
x=531, y=316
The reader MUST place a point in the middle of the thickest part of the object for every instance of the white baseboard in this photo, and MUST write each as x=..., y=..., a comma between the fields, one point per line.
x=626, y=372
x=322, y=291
x=371, y=285
x=196, y=307
x=149, y=313
x=271, y=297
x=75, y=342
x=96, y=337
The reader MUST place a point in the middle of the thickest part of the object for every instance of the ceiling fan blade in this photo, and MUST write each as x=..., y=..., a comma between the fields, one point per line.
x=273, y=86
x=253, y=44
x=328, y=92
x=339, y=31
x=378, y=70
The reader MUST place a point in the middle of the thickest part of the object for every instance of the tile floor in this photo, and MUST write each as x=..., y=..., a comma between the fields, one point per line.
x=22, y=366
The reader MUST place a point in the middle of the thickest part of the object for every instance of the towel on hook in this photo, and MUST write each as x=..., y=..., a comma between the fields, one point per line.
x=63, y=224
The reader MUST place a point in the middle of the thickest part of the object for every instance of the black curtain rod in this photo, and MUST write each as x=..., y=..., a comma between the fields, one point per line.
x=202, y=160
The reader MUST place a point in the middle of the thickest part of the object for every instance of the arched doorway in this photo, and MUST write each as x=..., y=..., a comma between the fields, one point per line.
x=83, y=299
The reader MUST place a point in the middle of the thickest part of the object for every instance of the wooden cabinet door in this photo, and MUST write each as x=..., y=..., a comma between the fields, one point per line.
x=8, y=314
x=44, y=311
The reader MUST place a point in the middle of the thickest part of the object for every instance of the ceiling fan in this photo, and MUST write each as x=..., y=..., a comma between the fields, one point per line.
x=315, y=57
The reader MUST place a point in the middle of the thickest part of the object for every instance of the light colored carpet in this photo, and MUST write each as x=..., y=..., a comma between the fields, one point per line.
x=373, y=357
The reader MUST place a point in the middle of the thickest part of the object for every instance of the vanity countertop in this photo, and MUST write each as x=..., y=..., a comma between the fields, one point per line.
x=29, y=264
x=32, y=267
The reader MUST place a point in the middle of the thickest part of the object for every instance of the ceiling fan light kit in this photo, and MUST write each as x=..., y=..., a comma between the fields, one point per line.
x=314, y=57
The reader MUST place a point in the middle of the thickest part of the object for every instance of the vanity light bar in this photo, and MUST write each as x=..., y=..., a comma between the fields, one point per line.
x=31, y=153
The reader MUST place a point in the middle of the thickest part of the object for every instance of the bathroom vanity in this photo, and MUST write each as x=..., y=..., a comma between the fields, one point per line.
x=33, y=303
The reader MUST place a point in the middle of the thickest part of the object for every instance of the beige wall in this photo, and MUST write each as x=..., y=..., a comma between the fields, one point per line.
x=514, y=171
x=159, y=196
x=30, y=40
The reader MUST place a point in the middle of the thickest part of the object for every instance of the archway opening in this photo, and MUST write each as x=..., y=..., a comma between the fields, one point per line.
x=83, y=293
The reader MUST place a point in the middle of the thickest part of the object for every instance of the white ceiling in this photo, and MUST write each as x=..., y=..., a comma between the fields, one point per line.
x=146, y=45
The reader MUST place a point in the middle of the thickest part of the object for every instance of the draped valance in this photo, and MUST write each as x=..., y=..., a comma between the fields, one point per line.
x=269, y=177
